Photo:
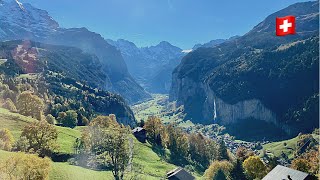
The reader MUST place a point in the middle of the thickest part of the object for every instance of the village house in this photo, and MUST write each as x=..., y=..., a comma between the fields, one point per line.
x=140, y=133
x=179, y=174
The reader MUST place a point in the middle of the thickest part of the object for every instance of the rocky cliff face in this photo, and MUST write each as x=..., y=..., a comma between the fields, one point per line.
x=255, y=77
x=29, y=23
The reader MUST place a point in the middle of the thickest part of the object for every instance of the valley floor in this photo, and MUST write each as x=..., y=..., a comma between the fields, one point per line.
x=160, y=106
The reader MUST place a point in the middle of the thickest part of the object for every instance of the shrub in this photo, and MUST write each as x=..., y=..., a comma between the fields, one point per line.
x=50, y=119
x=25, y=166
x=6, y=139
x=8, y=104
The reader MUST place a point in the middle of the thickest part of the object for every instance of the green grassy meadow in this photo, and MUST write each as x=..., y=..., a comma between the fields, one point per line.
x=146, y=163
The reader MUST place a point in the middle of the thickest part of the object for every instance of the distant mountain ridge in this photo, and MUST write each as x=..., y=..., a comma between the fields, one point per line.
x=35, y=24
x=63, y=72
x=150, y=66
x=257, y=80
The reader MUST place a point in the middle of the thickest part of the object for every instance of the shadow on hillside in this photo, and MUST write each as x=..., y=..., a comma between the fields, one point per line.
x=58, y=157
x=177, y=159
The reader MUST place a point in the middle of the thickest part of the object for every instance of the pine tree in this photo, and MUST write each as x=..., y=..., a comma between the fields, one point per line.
x=222, y=152
x=238, y=171
x=220, y=175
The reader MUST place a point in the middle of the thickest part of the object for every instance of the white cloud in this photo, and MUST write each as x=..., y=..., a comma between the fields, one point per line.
x=186, y=51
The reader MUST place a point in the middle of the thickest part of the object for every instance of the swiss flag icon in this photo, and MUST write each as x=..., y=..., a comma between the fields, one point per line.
x=285, y=25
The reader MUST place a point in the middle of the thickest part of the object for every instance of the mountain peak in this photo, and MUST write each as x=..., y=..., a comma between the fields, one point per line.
x=29, y=21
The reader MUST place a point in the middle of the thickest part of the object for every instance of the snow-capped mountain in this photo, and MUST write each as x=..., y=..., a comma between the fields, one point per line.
x=25, y=22
x=150, y=66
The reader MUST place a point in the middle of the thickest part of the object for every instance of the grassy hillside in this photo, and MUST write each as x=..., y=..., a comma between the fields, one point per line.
x=276, y=148
x=288, y=147
x=146, y=163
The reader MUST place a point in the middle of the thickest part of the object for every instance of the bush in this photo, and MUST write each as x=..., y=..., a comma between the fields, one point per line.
x=8, y=104
x=50, y=119
x=25, y=166
x=6, y=139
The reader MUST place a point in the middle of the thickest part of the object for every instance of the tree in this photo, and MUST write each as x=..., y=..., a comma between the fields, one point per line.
x=217, y=166
x=243, y=153
x=70, y=119
x=254, y=167
x=8, y=104
x=50, y=119
x=61, y=115
x=219, y=175
x=301, y=164
x=108, y=141
x=238, y=171
x=41, y=138
x=154, y=129
x=30, y=105
x=6, y=139
x=104, y=122
x=223, y=153
x=176, y=140
x=25, y=166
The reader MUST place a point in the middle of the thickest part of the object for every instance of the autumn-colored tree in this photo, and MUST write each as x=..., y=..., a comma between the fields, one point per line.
x=6, y=139
x=197, y=147
x=176, y=140
x=8, y=104
x=154, y=128
x=25, y=166
x=30, y=105
x=202, y=150
x=41, y=138
x=243, y=153
x=70, y=119
x=108, y=141
x=215, y=167
x=104, y=122
x=300, y=164
x=254, y=167
x=312, y=157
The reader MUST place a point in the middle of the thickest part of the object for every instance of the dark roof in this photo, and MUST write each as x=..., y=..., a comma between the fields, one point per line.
x=180, y=173
x=137, y=129
x=281, y=172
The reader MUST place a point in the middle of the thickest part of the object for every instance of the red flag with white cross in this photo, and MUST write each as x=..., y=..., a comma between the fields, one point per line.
x=285, y=25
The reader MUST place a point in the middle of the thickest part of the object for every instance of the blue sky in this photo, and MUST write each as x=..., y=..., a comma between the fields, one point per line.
x=147, y=22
